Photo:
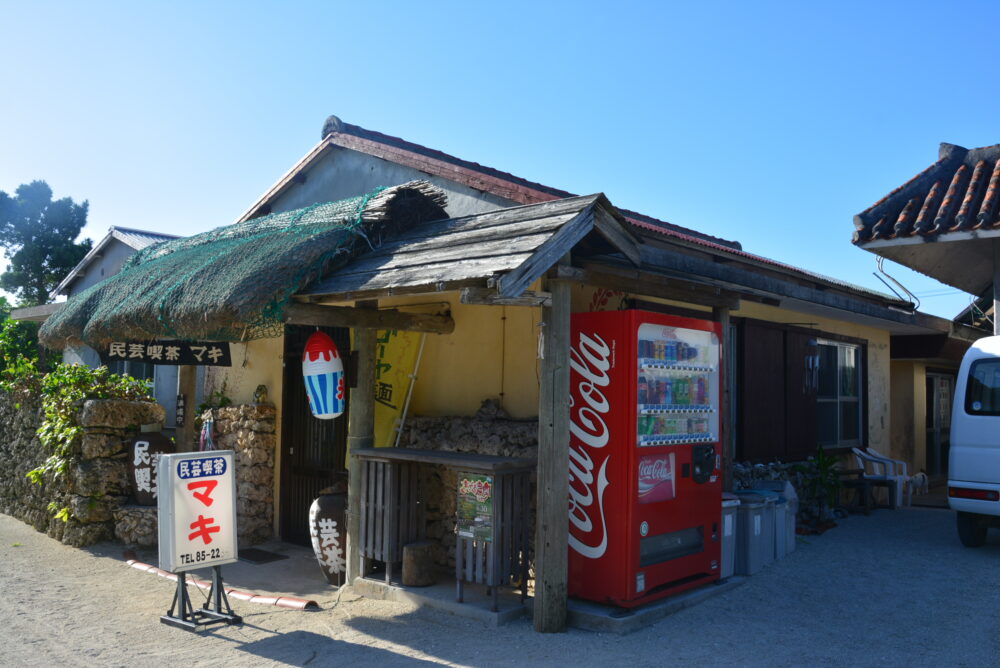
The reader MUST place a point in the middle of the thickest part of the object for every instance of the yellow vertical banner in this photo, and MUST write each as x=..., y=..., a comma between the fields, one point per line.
x=395, y=357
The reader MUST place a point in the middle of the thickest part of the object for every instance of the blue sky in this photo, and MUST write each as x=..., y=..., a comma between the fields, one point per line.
x=771, y=123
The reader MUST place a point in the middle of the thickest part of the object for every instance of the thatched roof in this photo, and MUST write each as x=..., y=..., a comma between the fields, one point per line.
x=233, y=283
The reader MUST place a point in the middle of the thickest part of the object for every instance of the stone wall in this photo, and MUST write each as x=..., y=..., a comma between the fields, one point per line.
x=21, y=452
x=95, y=483
x=490, y=432
x=249, y=430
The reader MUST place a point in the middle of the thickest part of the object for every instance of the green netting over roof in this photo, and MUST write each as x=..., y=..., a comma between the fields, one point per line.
x=233, y=283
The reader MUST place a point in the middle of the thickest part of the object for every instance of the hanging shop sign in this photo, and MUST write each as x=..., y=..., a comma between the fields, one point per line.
x=323, y=374
x=475, y=506
x=197, y=510
x=144, y=458
x=173, y=353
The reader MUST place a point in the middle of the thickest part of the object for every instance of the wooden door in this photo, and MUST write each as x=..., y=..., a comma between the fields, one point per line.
x=762, y=393
x=313, y=451
x=801, y=375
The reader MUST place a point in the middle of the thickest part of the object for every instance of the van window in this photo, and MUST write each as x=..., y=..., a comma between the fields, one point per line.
x=982, y=396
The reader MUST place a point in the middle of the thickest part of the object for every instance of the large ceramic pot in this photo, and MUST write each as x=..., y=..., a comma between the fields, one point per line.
x=327, y=517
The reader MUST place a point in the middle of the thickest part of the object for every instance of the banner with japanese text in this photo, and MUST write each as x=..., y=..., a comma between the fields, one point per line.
x=396, y=355
x=395, y=359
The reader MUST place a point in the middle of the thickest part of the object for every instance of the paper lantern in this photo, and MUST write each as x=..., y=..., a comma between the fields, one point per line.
x=323, y=373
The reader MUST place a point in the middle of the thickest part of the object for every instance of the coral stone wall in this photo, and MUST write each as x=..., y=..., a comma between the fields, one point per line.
x=21, y=452
x=490, y=432
x=95, y=484
x=249, y=431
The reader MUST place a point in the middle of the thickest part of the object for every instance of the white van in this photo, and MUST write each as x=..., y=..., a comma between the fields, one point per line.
x=974, y=460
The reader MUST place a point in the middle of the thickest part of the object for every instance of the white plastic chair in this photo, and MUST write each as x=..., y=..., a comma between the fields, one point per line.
x=885, y=468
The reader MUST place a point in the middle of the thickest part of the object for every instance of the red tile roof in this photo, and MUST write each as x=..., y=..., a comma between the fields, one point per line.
x=923, y=207
x=491, y=180
x=523, y=191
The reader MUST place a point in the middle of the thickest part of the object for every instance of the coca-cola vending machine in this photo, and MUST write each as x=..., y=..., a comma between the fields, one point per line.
x=645, y=484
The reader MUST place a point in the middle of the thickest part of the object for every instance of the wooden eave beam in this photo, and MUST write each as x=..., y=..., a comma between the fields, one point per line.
x=514, y=283
x=490, y=297
x=382, y=293
x=649, y=284
x=349, y=316
x=36, y=313
x=615, y=233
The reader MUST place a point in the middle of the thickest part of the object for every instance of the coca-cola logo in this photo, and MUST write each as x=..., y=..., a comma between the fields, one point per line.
x=656, y=478
x=656, y=470
x=589, y=363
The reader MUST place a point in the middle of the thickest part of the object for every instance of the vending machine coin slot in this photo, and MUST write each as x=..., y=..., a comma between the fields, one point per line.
x=703, y=459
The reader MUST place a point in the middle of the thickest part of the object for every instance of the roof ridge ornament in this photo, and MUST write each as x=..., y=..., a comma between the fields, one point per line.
x=334, y=124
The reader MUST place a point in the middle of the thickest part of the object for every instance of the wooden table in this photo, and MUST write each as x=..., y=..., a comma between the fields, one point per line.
x=392, y=515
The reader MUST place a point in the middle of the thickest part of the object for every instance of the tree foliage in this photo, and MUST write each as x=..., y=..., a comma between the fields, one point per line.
x=38, y=235
x=19, y=342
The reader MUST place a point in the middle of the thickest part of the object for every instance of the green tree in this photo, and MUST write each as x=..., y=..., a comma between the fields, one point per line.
x=38, y=235
x=19, y=343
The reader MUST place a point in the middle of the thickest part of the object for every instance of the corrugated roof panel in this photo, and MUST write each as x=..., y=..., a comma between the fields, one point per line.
x=139, y=239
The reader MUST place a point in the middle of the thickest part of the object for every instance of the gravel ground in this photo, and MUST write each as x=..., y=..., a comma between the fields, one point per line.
x=893, y=588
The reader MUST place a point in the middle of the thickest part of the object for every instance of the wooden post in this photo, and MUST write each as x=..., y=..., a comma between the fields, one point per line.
x=360, y=434
x=728, y=441
x=996, y=287
x=552, y=529
x=187, y=387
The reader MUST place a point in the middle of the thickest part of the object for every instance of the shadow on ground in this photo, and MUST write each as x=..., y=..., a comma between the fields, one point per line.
x=304, y=648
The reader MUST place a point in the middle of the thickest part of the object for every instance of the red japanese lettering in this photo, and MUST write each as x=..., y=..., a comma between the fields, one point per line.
x=204, y=529
x=205, y=496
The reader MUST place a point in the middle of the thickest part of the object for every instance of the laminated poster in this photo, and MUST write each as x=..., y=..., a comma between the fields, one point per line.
x=475, y=506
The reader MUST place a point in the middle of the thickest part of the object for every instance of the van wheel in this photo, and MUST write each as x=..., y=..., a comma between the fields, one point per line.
x=971, y=530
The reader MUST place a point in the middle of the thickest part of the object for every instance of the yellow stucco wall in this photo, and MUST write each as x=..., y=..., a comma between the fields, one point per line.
x=878, y=371
x=493, y=353
x=255, y=363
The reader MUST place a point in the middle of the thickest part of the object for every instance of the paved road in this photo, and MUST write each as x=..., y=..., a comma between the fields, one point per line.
x=894, y=588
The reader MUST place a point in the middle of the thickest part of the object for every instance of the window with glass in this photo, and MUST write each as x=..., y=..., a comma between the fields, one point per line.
x=838, y=396
x=140, y=370
x=982, y=393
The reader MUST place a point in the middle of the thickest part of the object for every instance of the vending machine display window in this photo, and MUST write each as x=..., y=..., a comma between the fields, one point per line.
x=677, y=385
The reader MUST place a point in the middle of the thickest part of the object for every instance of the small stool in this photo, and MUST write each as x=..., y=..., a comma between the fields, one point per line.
x=418, y=564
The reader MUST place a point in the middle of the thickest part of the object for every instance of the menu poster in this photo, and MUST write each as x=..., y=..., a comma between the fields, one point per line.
x=475, y=507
